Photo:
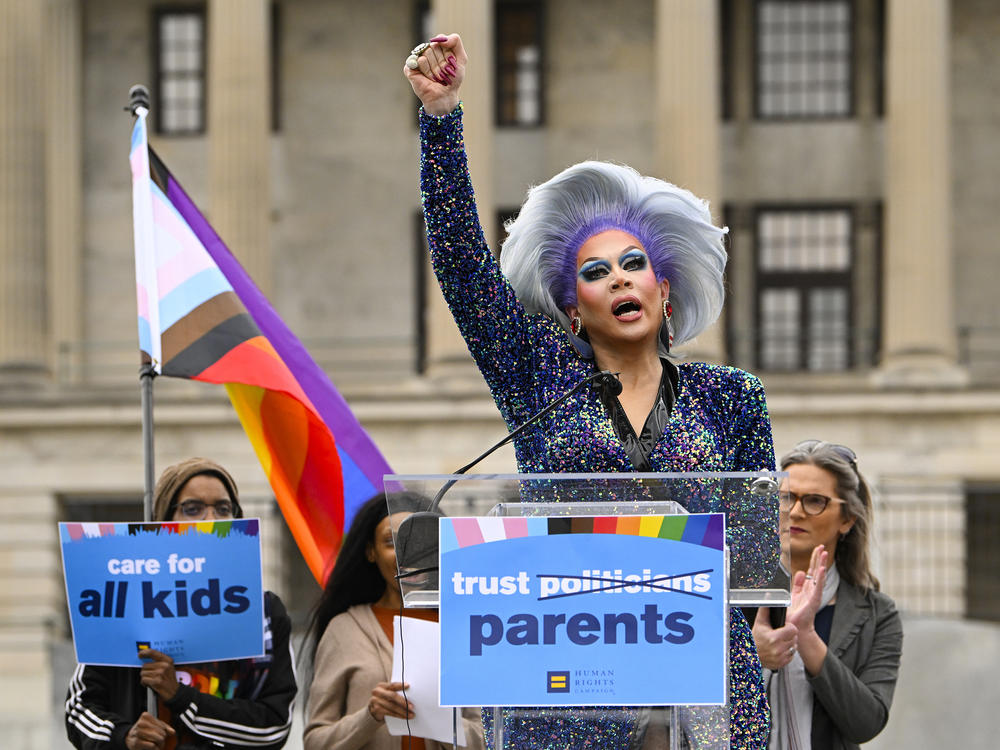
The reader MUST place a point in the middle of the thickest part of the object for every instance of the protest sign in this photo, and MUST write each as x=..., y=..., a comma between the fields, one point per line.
x=190, y=590
x=626, y=610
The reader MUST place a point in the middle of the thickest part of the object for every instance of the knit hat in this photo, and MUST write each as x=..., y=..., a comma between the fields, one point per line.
x=175, y=477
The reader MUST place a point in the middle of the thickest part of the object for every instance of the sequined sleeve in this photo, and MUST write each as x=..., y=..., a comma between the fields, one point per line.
x=753, y=525
x=491, y=320
x=729, y=405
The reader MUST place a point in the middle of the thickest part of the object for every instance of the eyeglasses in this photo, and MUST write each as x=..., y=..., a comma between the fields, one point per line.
x=198, y=508
x=812, y=504
x=841, y=450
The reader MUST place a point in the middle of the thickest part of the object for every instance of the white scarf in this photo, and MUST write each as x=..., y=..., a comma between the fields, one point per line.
x=790, y=693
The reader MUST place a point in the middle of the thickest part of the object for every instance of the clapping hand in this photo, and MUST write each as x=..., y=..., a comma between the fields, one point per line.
x=807, y=591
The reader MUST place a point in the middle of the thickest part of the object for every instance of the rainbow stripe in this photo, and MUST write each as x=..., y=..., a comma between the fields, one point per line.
x=75, y=532
x=702, y=529
x=202, y=317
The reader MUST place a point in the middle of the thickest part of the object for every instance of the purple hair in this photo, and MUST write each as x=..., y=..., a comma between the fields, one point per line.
x=674, y=227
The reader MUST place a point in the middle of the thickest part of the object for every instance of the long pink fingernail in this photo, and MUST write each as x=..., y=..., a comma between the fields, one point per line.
x=440, y=38
x=452, y=60
x=451, y=68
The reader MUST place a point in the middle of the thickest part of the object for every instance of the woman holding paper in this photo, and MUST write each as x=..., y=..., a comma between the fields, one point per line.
x=603, y=269
x=351, y=637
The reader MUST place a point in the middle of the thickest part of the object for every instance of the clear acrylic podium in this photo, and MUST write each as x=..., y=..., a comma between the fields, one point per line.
x=755, y=577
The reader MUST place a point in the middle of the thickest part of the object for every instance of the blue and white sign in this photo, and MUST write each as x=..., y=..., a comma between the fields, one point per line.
x=583, y=611
x=190, y=590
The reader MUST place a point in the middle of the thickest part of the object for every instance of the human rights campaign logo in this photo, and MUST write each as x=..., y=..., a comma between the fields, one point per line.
x=557, y=682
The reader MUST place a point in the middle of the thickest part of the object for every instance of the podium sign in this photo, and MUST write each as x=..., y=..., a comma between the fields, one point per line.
x=190, y=590
x=583, y=610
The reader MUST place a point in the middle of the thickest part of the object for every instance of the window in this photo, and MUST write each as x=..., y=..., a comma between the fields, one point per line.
x=504, y=215
x=982, y=558
x=179, y=53
x=179, y=65
x=102, y=509
x=519, y=62
x=804, y=261
x=804, y=53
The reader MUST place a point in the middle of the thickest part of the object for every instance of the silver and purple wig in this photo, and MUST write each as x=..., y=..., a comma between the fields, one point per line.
x=675, y=228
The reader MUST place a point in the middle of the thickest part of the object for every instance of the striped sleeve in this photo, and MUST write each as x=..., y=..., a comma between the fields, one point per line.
x=260, y=714
x=90, y=724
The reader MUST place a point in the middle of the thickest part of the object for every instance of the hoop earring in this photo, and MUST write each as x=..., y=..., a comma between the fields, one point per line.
x=576, y=325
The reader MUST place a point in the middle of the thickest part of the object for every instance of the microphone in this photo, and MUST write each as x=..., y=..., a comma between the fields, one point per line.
x=763, y=486
x=610, y=383
x=416, y=538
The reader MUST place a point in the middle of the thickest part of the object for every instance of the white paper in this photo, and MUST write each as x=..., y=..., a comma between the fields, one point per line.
x=421, y=641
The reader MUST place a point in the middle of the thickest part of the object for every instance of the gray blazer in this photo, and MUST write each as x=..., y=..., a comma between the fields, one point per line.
x=853, y=691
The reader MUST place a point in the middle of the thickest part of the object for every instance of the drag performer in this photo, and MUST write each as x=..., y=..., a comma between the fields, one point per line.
x=603, y=269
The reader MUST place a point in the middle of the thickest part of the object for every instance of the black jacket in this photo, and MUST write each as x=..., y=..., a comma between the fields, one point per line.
x=103, y=703
x=853, y=691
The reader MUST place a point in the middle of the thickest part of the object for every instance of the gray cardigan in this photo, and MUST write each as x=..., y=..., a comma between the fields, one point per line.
x=853, y=691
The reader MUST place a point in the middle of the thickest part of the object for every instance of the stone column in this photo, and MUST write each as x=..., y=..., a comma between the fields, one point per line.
x=687, y=139
x=239, y=129
x=23, y=343
x=474, y=21
x=32, y=602
x=64, y=185
x=919, y=339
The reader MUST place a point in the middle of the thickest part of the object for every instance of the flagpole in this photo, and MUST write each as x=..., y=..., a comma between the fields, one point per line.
x=146, y=375
x=138, y=96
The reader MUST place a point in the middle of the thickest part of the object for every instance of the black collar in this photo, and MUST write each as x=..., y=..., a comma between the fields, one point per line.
x=640, y=447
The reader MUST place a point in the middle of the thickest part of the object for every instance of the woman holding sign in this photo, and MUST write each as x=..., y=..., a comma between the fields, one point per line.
x=603, y=270
x=832, y=667
x=243, y=702
x=351, y=633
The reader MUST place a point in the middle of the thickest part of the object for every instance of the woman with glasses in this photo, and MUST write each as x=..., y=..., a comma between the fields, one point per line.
x=831, y=668
x=234, y=703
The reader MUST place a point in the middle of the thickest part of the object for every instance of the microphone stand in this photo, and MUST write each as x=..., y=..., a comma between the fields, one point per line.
x=428, y=518
x=606, y=378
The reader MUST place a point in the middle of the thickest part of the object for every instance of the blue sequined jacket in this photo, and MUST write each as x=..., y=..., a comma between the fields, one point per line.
x=718, y=423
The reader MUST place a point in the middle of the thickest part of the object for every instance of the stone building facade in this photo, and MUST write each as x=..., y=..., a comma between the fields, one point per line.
x=849, y=145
